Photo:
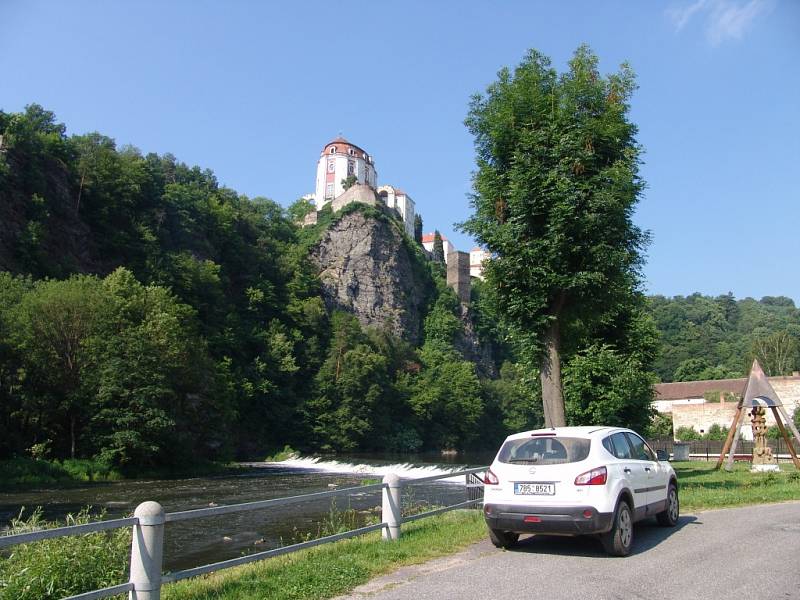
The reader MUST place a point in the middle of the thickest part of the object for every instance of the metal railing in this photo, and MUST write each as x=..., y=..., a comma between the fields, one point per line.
x=149, y=520
x=710, y=449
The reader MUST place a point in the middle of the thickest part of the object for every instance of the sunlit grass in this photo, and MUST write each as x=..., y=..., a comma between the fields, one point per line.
x=333, y=569
x=702, y=487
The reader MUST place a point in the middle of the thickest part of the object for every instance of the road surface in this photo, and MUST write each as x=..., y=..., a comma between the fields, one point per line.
x=751, y=552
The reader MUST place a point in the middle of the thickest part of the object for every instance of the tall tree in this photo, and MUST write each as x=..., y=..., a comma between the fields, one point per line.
x=438, y=247
x=418, y=229
x=556, y=185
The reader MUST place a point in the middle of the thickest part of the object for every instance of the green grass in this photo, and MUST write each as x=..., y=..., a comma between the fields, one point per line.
x=701, y=487
x=334, y=569
x=52, y=569
x=29, y=472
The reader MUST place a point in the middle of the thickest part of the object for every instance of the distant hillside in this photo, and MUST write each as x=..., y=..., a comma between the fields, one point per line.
x=703, y=337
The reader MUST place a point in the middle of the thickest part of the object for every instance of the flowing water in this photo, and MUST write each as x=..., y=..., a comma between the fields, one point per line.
x=200, y=541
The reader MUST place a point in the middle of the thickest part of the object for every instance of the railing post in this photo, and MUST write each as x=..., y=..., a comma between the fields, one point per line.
x=391, y=513
x=147, y=549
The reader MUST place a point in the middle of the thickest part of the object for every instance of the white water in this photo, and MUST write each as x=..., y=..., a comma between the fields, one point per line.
x=403, y=470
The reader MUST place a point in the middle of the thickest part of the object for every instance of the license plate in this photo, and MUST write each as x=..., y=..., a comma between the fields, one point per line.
x=535, y=489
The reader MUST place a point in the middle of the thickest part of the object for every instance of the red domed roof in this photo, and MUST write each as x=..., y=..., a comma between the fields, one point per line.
x=341, y=141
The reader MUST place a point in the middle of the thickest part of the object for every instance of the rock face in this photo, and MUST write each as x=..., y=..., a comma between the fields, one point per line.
x=367, y=270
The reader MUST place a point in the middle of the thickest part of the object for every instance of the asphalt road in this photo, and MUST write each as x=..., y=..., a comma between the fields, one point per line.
x=751, y=552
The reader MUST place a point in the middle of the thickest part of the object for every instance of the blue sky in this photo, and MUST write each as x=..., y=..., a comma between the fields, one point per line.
x=253, y=90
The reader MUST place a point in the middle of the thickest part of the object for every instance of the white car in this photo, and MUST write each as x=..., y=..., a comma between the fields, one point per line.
x=576, y=481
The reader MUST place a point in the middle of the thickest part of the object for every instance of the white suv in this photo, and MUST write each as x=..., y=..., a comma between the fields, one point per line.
x=575, y=481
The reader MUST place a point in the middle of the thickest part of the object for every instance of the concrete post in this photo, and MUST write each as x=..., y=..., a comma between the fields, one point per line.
x=147, y=549
x=391, y=512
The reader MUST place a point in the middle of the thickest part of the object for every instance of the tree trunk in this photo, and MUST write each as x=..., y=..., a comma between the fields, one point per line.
x=72, y=436
x=550, y=375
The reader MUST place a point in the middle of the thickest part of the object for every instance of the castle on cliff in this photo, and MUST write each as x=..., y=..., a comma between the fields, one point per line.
x=346, y=174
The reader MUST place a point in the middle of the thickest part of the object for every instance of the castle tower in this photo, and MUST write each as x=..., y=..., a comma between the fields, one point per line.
x=338, y=160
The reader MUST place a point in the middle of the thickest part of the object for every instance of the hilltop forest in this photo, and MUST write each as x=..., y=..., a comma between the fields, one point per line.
x=150, y=317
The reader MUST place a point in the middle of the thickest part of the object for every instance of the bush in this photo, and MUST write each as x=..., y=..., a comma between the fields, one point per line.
x=715, y=432
x=686, y=434
x=661, y=426
x=63, y=566
x=287, y=453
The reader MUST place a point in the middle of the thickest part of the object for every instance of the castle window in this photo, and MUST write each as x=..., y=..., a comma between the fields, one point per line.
x=350, y=152
x=329, y=191
x=351, y=167
x=331, y=165
x=333, y=149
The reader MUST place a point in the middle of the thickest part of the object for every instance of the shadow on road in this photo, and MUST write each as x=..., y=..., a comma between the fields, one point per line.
x=646, y=536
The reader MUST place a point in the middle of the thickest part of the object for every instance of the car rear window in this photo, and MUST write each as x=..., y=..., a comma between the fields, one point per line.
x=550, y=450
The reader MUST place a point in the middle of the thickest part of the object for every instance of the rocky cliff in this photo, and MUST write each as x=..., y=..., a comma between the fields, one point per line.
x=367, y=269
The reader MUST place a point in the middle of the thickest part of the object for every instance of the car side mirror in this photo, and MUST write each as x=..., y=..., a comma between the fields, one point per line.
x=662, y=455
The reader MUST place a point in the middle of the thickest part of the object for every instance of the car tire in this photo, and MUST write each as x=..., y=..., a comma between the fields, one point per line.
x=669, y=518
x=619, y=540
x=503, y=539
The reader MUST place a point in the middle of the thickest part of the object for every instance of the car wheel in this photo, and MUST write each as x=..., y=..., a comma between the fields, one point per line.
x=669, y=517
x=503, y=539
x=619, y=540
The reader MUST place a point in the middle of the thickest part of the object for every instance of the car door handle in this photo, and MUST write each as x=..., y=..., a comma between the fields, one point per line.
x=627, y=470
x=647, y=469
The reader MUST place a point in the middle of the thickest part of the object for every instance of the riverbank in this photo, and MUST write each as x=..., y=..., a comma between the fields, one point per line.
x=331, y=570
x=18, y=474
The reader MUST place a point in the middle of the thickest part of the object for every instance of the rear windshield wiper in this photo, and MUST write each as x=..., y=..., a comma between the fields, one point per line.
x=522, y=460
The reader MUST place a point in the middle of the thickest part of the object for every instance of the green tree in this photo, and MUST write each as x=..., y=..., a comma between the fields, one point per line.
x=299, y=209
x=554, y=192
x=418, y=228
x=52, y=328
x=447, y=397
x=351, y=386
x=778, y=353
x=661, y=426
x=158, y=397
x=349, y=182
x=438, y=248
x=603, y=387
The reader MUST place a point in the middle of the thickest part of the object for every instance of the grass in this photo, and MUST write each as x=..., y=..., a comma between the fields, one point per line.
x=29, y=472
x=51, y=569
x=330, y=570
x=701, y=487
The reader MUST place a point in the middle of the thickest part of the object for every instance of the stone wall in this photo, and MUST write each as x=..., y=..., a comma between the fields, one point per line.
x=357, y=193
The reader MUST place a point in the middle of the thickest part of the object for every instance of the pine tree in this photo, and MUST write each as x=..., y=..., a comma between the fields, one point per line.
x=438, y=247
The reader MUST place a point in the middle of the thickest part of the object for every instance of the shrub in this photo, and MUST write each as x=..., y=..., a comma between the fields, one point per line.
x=661, y=426
x=715, y=432
x=63, y=566
x=287, y=453
x=686, y=434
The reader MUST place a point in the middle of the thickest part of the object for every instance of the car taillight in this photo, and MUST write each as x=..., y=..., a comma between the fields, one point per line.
x=490, y=478
x=596, y=476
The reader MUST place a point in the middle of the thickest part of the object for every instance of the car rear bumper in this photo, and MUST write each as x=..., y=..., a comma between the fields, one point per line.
x=547, y=519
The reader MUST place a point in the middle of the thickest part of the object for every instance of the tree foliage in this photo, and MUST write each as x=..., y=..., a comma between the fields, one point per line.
x=150, y=317
x=705, y=337
x=438, y=248
x=554, y=192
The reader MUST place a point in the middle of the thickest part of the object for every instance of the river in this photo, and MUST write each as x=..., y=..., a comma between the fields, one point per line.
x=197, y=542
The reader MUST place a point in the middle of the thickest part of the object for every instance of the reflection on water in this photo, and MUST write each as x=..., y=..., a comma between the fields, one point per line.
x=199, y=541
